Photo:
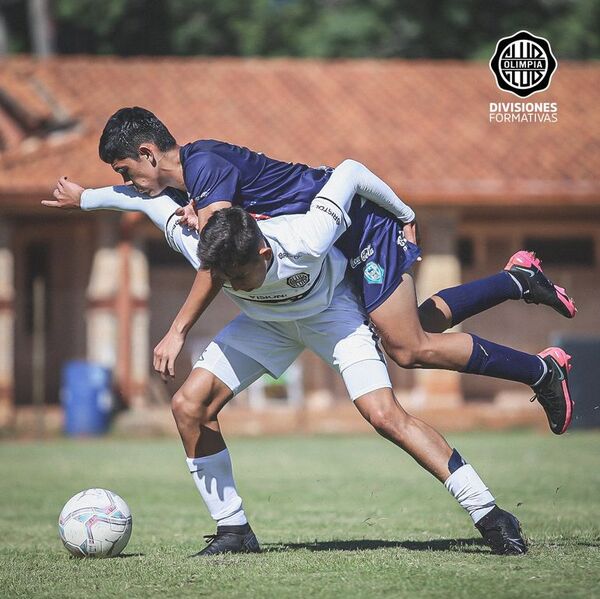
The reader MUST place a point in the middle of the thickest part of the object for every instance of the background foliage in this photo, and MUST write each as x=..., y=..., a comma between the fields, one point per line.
x=456, y=29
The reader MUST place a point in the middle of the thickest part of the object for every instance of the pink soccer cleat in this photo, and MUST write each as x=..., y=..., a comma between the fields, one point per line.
x=537, y=287
x=553, y=391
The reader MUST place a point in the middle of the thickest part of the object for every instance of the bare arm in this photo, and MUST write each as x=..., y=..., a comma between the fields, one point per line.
x=202, y=293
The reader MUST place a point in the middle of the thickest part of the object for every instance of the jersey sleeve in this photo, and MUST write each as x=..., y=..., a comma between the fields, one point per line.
x=318, y=229
x=125, y=198
x=210, y=178
x=352, y=177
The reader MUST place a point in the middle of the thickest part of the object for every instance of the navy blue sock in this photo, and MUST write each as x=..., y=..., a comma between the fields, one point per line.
x=501, y=362
x=455, y=462
x=475, y=297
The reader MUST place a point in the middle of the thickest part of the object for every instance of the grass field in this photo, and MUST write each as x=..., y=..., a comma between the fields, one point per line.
x=337, y=516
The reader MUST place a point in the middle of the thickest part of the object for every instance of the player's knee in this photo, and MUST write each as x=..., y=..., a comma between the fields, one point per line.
x=415, y=353
x=405, y=355
x=388, y=421
x=185, y=407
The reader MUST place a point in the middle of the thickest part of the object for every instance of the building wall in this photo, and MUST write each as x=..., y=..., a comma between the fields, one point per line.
x=52, y=263
x=60, y=251
x=493, y=237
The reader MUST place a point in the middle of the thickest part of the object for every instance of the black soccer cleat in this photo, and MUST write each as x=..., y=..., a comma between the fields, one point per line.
x=553, y=391
x=230, y=539
x=502, y=532
x=537, y=287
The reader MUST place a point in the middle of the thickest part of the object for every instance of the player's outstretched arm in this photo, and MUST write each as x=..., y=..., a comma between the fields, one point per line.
x=351, y=177
x=68, y=195
x=202, y=293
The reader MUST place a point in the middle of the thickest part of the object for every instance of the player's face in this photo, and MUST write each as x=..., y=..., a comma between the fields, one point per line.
x=142, y=173
x=247, y=277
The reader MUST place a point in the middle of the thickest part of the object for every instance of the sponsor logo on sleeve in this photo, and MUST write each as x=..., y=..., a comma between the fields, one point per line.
x=298, y=280
x=330, y=212
x=297, y=256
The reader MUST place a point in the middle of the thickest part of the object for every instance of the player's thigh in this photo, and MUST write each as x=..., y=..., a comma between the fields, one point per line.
x=226, y=369
x=246, y=349
x=397, y=318
x=342, y=337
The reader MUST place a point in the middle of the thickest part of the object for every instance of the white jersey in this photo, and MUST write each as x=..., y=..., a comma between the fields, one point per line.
x=302, y=276
x=305, y=268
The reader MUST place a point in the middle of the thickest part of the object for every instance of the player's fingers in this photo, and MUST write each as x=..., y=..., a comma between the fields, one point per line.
x=156, y=361
x=171, y=367
x=180, y=211
x=51, y=203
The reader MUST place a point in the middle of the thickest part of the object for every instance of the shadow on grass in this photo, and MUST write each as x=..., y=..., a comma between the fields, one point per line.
x=122, y=555
x=471, y=545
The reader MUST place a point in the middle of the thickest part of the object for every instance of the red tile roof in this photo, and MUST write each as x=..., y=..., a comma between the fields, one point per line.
x=422, y=125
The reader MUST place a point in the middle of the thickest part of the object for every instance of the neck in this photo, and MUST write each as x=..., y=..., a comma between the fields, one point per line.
x=171, y=171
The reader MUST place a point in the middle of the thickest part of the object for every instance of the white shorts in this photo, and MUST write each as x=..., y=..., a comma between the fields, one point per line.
x=246, y=349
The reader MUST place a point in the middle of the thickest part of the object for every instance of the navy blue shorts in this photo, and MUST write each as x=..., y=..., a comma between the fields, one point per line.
x=378, y=254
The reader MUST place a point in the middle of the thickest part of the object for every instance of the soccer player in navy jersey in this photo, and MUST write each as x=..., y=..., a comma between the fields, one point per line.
x=379, y=247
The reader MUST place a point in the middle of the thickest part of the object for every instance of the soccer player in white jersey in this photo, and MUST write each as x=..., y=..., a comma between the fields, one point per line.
x=256, y=262
x=380, y=249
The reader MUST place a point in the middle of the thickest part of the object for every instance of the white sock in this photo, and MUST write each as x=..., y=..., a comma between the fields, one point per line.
x=213, y=476
x=470, y=491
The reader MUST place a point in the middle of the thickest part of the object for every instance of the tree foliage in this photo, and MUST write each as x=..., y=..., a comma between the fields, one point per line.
x=456, y=29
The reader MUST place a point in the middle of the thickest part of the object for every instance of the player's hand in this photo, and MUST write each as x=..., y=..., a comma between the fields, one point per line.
x=188, y=215
x=166, y=352
x=411, y=233
x=67, y=195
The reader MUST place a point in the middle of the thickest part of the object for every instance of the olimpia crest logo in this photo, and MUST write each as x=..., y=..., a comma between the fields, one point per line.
x=523, y=64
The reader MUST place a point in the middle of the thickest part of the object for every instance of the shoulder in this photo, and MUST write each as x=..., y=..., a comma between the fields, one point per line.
x=284, y=232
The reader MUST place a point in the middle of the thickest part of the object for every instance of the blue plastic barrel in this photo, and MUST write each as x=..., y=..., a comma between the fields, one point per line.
x=87, y=398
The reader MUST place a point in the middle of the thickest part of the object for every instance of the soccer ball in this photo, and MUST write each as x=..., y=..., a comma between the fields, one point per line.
x=95, y=523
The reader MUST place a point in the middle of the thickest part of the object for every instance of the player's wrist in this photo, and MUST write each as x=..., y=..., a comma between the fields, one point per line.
x=180, y=329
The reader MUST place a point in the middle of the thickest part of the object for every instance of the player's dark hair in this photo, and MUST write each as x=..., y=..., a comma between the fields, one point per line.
x=230, y=239
x=127, y=129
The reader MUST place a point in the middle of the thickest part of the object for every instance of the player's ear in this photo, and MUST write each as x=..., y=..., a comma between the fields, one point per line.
x=146, y=152
x=266, y=253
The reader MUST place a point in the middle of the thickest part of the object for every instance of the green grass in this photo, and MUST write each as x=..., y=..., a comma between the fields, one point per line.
x=337, y=516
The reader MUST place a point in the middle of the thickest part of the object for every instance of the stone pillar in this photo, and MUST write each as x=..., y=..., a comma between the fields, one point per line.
x=439, y=269
x=102, y=327
x=7, y=325
x=139, y=281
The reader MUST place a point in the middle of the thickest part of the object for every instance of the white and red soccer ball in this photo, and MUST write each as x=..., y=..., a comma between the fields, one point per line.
x=95, y=523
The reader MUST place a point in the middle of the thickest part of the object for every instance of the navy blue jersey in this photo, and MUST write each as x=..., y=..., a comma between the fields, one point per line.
x=377, y=253
x=216, y=171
